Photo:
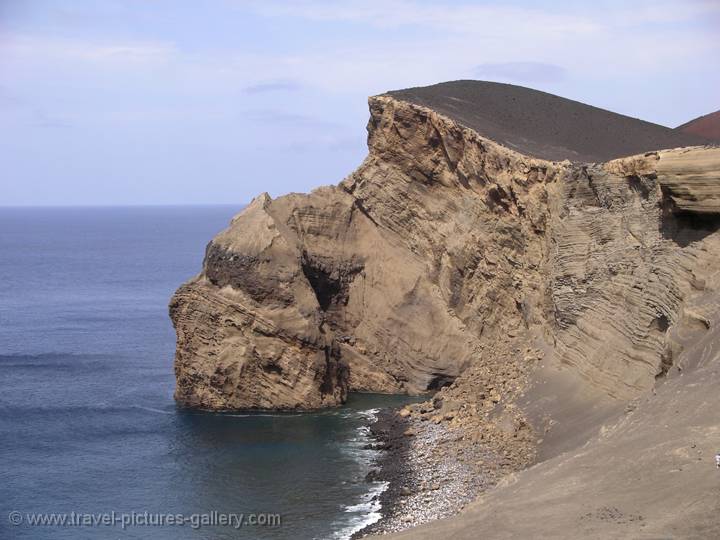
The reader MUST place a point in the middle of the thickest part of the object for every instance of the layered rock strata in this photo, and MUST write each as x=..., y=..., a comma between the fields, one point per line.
x=450, y=262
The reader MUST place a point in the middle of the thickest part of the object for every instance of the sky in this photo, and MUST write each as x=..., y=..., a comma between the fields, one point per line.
x=128, y=102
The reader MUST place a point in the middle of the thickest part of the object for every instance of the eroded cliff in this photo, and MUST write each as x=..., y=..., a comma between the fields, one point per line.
x=394, y=281
x=534, y=297
x=431, y=258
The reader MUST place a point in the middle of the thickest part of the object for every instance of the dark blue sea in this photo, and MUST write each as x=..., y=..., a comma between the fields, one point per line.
x=88, y=426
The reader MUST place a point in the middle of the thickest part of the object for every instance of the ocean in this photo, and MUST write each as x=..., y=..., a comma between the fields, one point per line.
x=92, y=444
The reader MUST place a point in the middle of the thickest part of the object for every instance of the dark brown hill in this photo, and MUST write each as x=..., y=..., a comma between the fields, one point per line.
x=707, y=126
x=544, y=125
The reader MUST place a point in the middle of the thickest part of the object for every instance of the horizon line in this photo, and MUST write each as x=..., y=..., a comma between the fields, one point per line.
x=106, y=205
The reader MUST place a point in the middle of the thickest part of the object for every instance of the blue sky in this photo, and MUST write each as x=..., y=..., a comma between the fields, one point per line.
x=201, y=102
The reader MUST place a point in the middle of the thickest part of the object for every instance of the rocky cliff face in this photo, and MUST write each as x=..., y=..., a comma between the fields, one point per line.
x=448, y=261
x=631, y=247
x=391, y=282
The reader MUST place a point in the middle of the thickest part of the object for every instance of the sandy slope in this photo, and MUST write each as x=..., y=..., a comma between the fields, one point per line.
x=649, y=471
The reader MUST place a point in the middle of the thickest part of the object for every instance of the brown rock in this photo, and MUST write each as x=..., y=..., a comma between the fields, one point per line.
x=439, y=262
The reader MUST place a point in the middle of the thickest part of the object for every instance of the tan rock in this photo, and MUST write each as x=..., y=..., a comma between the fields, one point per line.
x=691, y=178
x=436, y=263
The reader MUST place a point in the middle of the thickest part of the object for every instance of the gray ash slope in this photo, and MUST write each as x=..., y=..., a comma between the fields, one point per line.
x=543, y=125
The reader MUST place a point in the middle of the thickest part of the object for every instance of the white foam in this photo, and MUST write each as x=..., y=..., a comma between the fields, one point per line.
x=151, y=409
x=370, y=500
x=367, y=511
x=369, y=414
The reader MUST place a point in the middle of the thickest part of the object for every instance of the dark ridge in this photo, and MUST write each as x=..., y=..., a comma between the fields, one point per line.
x=707, y=126
x=544, y=125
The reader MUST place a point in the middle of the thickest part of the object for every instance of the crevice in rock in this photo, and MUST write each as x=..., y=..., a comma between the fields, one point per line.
x=638, y=185
x=661, y=323
x=440, y=380
x=666, y=362
x=330, y=284
x=323, y=284
x=335, y=374
x=682, y=227
x=273, y=368
x=496, y=196
x=595, y=186
x=359, y=204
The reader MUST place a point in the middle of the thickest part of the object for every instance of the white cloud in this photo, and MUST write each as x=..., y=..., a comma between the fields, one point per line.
x=455, y=17
x=526, y=72
x=541, y=48
x=446, y=42
x=289, y=120
x=474, y=16
x=606, y=39
x=648, y=12
x=264, y=87
x=135, y=81
x=116, y=54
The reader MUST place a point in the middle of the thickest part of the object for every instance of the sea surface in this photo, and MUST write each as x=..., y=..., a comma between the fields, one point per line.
x=87, y=420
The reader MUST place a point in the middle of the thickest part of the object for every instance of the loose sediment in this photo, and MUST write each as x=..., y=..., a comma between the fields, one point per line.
x=430, y=470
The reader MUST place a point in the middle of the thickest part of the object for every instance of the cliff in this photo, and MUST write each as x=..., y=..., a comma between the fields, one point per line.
x=534, y=261
x=436, y=251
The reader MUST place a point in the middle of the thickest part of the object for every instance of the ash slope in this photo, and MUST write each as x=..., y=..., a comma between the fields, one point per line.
x=648, y=473
x=707, y=126
x=543, y=125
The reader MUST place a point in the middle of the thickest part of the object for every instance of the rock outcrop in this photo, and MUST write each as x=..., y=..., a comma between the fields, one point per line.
x=690, y=180
x=450, y=261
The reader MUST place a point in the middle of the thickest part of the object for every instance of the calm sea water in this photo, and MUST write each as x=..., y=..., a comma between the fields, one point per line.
x=87, y=420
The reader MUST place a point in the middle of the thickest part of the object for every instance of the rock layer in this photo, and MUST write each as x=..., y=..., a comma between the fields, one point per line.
x=690, y=179
x=450, y=259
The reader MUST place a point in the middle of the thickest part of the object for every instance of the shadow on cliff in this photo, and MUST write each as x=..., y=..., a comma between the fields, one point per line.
x=685, y=228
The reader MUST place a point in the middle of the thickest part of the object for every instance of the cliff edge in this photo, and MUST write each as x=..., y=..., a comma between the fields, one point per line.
x=535, y=262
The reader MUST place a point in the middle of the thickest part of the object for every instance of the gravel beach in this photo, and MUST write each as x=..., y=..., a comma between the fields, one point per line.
x=432, y=471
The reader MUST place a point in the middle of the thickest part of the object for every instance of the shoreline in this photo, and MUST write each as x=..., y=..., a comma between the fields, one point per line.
x=391, y=467
x=431, y=471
